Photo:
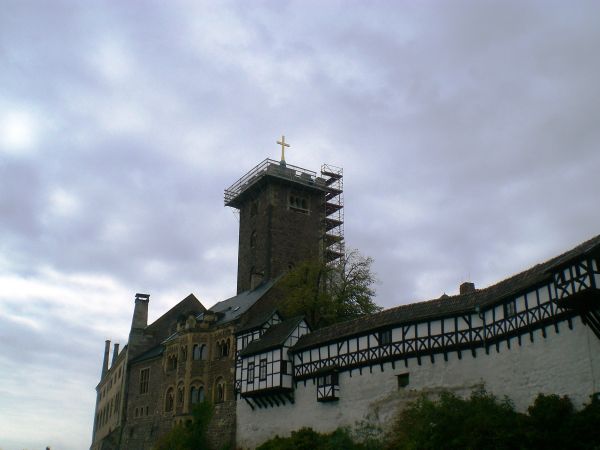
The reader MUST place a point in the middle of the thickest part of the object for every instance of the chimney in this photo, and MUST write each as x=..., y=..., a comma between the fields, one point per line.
x=467, y=287
x=105, y=361
x=115, y=354
x=140, y=312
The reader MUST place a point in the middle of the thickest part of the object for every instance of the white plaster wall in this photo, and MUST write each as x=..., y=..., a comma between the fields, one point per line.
x=567, y=363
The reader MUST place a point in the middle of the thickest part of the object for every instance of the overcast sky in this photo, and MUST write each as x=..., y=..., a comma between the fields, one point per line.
x=468, y=132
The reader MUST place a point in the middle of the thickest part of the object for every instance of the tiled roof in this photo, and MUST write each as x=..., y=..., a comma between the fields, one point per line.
x=274, y=337
x=449, y=304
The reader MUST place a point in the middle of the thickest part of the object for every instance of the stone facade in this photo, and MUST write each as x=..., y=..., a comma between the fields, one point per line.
x=276, y=231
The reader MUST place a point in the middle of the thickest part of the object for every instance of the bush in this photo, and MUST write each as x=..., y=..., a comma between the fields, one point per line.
x=480, y=422
x=308, y=439
x=191, y=436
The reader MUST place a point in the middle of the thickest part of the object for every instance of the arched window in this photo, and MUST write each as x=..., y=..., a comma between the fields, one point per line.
x=199, y=352
x=184, y=353
x=227, y=347
x=196, y=394
x=169, y=400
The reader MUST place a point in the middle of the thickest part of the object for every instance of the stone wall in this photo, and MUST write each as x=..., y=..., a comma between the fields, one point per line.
x=272, y=235
x=221, y=430
x=564, y=363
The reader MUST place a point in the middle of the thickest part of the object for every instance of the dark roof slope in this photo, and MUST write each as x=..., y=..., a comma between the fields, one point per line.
x=274, y=337
x=449, y=304
x=161, y=327
x=263, y=308
x=154, y=352
x=232, y=308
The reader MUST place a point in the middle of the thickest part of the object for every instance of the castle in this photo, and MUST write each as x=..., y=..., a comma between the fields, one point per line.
x=538, y=331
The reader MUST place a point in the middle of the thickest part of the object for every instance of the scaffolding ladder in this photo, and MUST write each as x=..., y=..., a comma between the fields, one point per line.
x=333, y=238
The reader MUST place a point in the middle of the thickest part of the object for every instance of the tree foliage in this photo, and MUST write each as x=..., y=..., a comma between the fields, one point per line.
x=192, y=435
x=327, y=294
x=308, y=439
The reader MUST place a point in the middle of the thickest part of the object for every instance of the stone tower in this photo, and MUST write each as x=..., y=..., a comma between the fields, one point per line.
x=283, y=220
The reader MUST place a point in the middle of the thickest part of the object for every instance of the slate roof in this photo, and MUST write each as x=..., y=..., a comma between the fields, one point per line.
x=273, y=338
x=232, y=308
x=450, y=304
x=161, y=327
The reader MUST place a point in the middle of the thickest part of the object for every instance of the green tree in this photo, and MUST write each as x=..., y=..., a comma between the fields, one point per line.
x=479, y=422
x=192, y=435
x=330, y=293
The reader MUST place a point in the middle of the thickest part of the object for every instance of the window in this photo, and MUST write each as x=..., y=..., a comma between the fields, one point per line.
x=509, y=309
x=199, y=352
x=169, y=400
x=402, y=380
x=284, y=367
x=144, y=379
x=298, y=203
x=250, y=377
x=385, y=337
x=223, y=348
x=180, y=396
x=328, y=387
x=262, y=370
x=184, y=353
x=219, y=390
x=172, y=362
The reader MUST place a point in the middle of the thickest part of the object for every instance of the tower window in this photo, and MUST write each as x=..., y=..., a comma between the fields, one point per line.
x=298, y=203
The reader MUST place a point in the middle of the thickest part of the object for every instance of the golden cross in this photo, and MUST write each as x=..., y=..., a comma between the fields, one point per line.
x=283, y=146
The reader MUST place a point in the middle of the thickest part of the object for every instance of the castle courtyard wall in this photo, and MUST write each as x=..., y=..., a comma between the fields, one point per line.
x=564, y=363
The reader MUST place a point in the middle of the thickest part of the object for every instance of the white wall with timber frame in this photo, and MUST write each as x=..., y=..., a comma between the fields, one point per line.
x=243, y=339
x=525, y=344
x=271, y=369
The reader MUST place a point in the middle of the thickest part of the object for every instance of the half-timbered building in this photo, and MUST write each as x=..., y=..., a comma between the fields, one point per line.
x=536, y=332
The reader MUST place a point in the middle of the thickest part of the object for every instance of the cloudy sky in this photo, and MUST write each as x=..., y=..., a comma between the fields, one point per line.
x=468, y=132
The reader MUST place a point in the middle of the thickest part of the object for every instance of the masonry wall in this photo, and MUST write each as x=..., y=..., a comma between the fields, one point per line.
x=274, y=235
x=564, y=363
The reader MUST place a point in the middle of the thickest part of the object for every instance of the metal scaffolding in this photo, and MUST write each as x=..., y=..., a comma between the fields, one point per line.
x=333, y=238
